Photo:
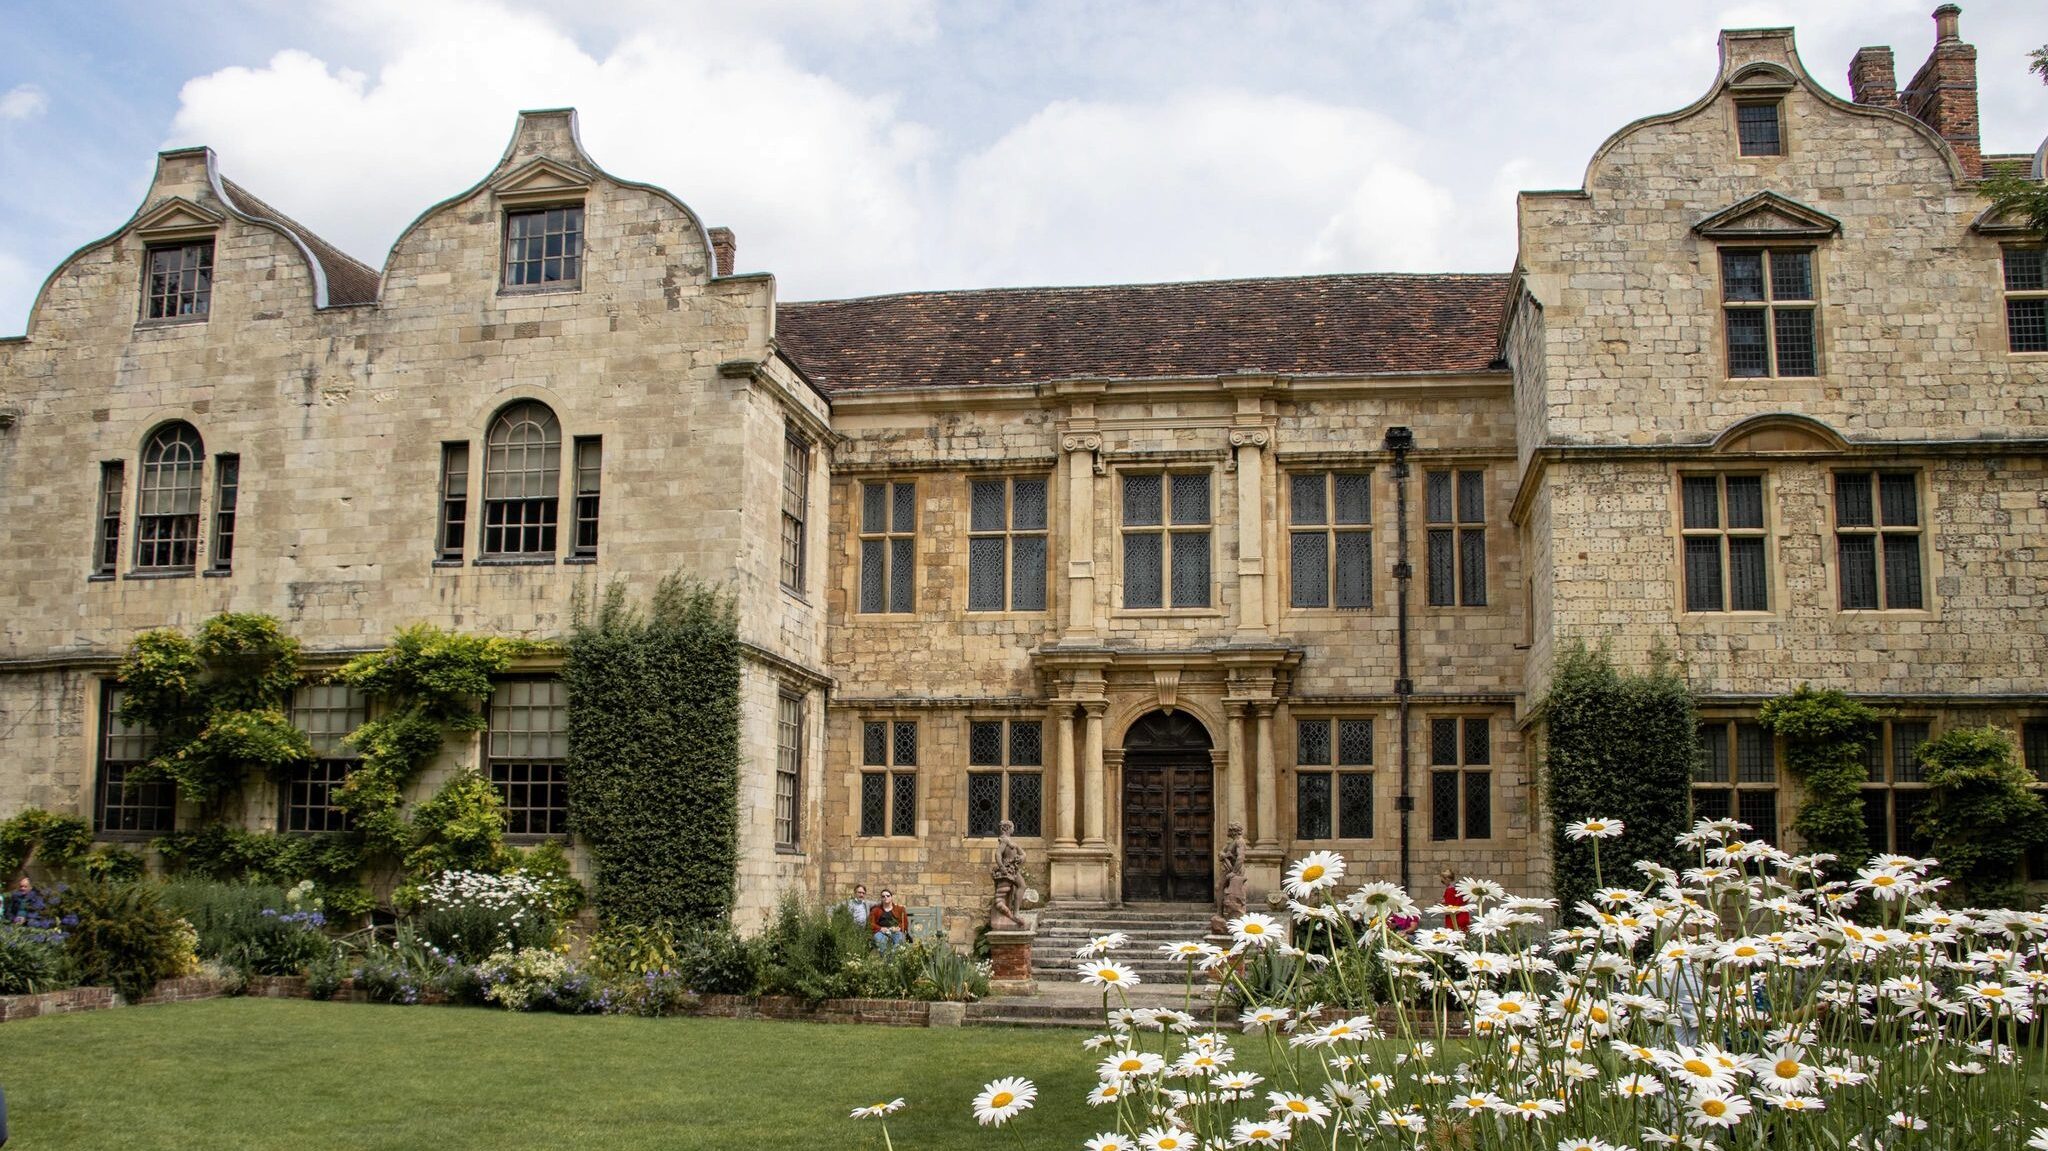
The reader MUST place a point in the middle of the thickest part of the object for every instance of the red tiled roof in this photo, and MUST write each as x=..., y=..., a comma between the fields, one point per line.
x=349, y=280
x=1307, y=325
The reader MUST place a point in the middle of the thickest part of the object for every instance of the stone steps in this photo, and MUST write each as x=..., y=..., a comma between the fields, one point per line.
x=1146, y=926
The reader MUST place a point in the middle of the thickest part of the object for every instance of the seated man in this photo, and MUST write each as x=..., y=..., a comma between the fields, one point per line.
x=890, y=923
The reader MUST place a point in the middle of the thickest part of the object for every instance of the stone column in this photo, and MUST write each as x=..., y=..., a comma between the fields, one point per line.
x=1060, y=717
x=1249, y=445
x=1234, y=772
x=1080, y=450
x=1267, y=781
x=1092, y=782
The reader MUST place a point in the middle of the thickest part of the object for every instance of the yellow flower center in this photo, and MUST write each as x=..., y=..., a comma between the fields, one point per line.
x=1714, y=1107
x=1698, y=1067
x=1598, y=1014
x=1168, y=1143
x=1002, y=1099
x=1883, y=881
x=1993, y=992
x=1510, y=1007
x=1130, y=1065
x=1746, y=951
x=1311, y=873
x=1787, y=1068
x=1254, y=929
x=1297, y=1106
x=1595, y=825
x=1108, y=974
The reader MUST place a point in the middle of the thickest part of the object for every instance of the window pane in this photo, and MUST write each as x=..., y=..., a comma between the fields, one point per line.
x=874, y=744
x=1791, y=275
x=984, y=802
x=1858, y=559
x=1027, y=802
x=1478, y=740
x=1902, y=572
x=1443, y=805
x=1027, y=574
x=903, y=804
x=2026, y=324
x=1312, y=742
x=1745, y=501
x=1354, y=569
x=1354, y=805
x=985, y=573
x=1907, y=738
x=1142, y=495
x=2026, y=269
x=903, y=503
x=873, y=566
x=1756, y=129
x=1755, y=759
x=1442, y=573
x=1191, y=569
x=1852, y=500
x=1354, y=742
x=1027, y=744
x=874, y=507
x=2034, y=752
x=1143, y=579
x=1794, y=333
x=1748, y=583
x=1700, y=500
x=985, y=744
x=986, y=497
x=1308, y=570
x=1305, y=499
x=1703, y=574
x=1906, y=809
x=1713, y=803
x=1437, y=497
x=1713, y=762
x=1443, y=741
x=1471, y=497
x=1877, y=820
x=1354, y=498
x=1759, y=809
x=1312, y=804
x=1746, y=343
x=1899, y=499
x=902, y=555
x=1191, y=498
x=1742, y=276
x=1027, y=505
x=903, y=748
x=1472, y=567
x=1478, y=805
x=874, y=803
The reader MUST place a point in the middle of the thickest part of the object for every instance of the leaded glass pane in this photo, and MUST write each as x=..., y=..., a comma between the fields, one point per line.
x=1027, y=505
x=1437, y=497
x=1305, y=498
x=985, y=573
x=874, y=567
x=1143, y=579
x=874, y=803
x=986, y=498
x=1759, y=809
x=1443, y=742
x=874, y=507
x=903, y=514
x=1899, y=498
x=2034, y=751
x=1857, y=557
x=1471, y=497
x=1745, y=502
x=984, y=802
x=1700, y=501
x=1442, y=574
x=1312, y=742
x=1478, y=740
x=1354, y=742
x=1712, y=766
x=1902, y=572
x=1907, y=739
x=1308, y=581
x=2026, y=324
x=1852, y=500
x=1713, y=803
x=1472, y=567
x=1142, y=500
x=1443, y=805
x=1027, y=802
x=1755, y=760
x=1354, y=498
x=1191, y=569
x=1791, y=276
x=903, y=804
x=904, y=744
x=1478, y=805
x=902, y=571
x=1353, y=585
x=1312, y=804
x=1191, y=498
x=874, y=744
x=1793, y=331
x=2026, y=269
x=1354, y=805
x=1027, y=743
x=1027, y=573
x=328, y=713
x=1877, y=820
x=1742, y=276
x=1748, y=583
x=1756, y=129
x=985, y=744
x=1746, y=343
x=1703, y=573
x=1906, y=808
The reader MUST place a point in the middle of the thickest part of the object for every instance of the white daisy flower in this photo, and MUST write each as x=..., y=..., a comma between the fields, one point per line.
x=1170, y=1138
x=1593, y=829
x=1314, y=872
x=1107, y=973
x=877, y=1110
x=1003, y=1100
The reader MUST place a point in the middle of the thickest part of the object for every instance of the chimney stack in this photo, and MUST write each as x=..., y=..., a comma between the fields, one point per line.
x=724, y=247
x=1943, y=94
x=1871, y=79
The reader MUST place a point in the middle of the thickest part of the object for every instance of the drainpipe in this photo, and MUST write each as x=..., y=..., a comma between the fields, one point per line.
x=1400, y=441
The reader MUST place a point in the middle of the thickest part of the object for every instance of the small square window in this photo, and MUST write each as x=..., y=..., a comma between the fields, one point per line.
x=180, y=281
x=544, y=247
x=1758, y=129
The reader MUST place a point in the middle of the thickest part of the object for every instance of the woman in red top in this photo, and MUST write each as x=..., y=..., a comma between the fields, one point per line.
x=1458, y=919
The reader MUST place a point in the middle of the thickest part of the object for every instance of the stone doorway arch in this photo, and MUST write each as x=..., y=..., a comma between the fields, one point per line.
x=1169, y=809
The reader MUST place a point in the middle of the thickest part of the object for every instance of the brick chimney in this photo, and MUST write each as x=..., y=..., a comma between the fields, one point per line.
x=1871, y=79
x=724, y=247
x=1943, y=94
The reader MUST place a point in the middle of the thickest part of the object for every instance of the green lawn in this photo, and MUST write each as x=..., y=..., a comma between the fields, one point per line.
x=248, y=1073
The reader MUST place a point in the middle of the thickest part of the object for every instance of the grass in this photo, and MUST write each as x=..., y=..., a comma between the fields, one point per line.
x=247, y=1073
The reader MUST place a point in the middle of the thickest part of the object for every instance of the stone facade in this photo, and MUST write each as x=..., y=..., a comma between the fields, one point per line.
x=1557, y=415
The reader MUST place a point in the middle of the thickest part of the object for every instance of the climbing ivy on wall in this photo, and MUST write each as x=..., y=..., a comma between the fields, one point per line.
x=654, y=752
x=1982, y=813
x=1826, y=736
x=216, y=703
x=1618, y=746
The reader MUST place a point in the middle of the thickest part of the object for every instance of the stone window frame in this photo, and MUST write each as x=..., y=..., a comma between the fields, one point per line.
x=1778, y=140
x=1723, y=771
x=891, y=537
x=1337, y=768
x=1008, y=535
x=1893, y=774
x=1771, y=306
x=305, y=795
x=792, y=734
x=545, y=509
x=892, y=769
x=1722, y=534
x=451, y=534
x=1007, y=765
x=106, y=545
x=500, y=769
x=1451, y=533
x=195, y=267
x=1881, y=533
x=124, y=810
x=511, y=211
x=227, y=489
x=1168, y=531
x=1471, y=768
x=796, y=507
x=1328, y=531
x=586, y=477
x=168, y=542
x=2030, y=296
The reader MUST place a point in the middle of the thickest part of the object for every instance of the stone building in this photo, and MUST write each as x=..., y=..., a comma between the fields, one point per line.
x=1124, y=565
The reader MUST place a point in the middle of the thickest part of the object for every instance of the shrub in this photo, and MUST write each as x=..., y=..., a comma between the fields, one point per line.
x=33, y=960
x=461, y=828
x=1983, y=812
x=326, y=971
x=250, y=927
x=1825, y=735
x=626, y=952
x=806, y=951
x=547, y=864
x=537, y=979
x=716, y=961
x=55, y=841
x=215, y=702
x=122, y=936
x=471, y=915
x=408, y=969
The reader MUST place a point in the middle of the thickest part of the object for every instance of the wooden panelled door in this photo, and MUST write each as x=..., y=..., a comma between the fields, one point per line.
x=1169, y=810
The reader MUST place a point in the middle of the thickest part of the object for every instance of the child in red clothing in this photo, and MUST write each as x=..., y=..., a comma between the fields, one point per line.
x=1457, y=919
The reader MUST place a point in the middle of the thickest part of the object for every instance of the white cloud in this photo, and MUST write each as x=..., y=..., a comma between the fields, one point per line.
x=23, y=102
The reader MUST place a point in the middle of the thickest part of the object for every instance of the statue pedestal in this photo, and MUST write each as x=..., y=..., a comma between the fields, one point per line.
x=1262, y=868
x=1010, y=952
x=1081, y=875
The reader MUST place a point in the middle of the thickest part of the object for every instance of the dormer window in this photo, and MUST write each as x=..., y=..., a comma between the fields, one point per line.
x=1759, y=128
x=180, y=281
x=544, y=247
x=1768, y=306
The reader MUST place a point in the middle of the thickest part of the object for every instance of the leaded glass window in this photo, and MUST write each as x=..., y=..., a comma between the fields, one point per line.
x=1333, y=778
x=1736, y=776
x=227, y=490
x=1896, y=788
x=888, y=779
x=589, y=477
x=1004, y=778
x=123, y=807
x=544, y=247
x=789, y=765
x=1877, y=540
x=1757, y=129
x=2026, y=305
x=1454, y=507
x=1330, y=539
x=1006, y=544
x=106, y=547
x=167, y=499
x=1723, y=544
x=522, y=481
x=796, y=507
x=1768, y=307
x=1166, y=539
x=180, y=282
x=1461, y=777
x=327, y=713
x=454, y=525
x=528, y=752
x=888, y=546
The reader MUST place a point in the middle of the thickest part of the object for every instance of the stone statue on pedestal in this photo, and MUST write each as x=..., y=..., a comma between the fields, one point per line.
x=1231, y=891
x=1008, y=874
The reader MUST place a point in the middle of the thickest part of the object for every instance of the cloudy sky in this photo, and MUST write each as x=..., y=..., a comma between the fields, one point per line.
x=884, y=145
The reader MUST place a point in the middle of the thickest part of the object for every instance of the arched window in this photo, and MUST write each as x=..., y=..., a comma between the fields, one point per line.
x=167, y=499
x=522, y=481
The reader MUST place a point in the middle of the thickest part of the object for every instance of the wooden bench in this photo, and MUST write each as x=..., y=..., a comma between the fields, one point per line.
x=927, y=923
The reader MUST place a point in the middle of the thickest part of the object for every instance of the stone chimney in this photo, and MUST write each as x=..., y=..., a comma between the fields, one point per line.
x=724, y=247
x=1871, y=79
x=1943, y=94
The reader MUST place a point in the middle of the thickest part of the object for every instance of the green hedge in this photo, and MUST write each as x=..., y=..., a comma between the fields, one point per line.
x=1826, y=734
x=654, y=753
x=1617, y=746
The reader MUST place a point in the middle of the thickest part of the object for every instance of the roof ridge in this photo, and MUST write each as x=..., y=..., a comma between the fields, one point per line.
x=1014, y=290
x=343, y=289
